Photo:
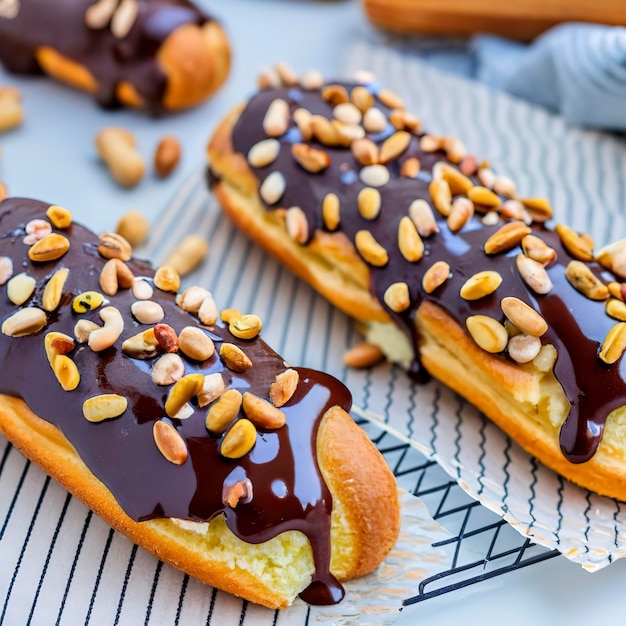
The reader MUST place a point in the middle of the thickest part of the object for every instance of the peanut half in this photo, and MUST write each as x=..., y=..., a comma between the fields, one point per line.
x=487, y=332
x=104, y=407
x=169, y=442
x=224, y=411
x=24, y=322
x=235, y=358
x=53, y=290
x=49, y=248
x=57, y=346
x=480, y=285
x=239, y=440
x=283, y=388
x=168, y=369
x=262, y=413
x=182, y=392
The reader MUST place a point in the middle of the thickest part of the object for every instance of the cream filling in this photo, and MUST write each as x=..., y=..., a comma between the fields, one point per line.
x=394, y=343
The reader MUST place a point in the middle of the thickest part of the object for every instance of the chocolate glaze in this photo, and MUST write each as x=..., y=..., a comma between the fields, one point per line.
x=577, y=325
x=60, y=24
x=288, y=490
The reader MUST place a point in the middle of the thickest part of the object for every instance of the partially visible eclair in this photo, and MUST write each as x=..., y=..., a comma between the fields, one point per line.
x=448, y=268
x=160, y=55
x=177, y=424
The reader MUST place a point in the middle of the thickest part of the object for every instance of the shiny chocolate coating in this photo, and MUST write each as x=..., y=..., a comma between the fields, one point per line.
x=60, y=24
x=288, y=491
x=577, y=326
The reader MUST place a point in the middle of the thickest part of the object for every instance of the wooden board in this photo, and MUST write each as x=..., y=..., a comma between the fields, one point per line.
x=519, y=19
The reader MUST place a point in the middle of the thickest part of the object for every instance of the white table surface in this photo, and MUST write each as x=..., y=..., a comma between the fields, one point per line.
x=51, y=157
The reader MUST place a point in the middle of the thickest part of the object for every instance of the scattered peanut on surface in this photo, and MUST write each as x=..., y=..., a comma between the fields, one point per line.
x=134, y=227
x=116, y=147
x=11, y=112
x=166, y=156
x=188, y=254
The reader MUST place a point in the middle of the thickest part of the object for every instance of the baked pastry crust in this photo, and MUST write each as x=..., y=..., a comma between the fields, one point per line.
x=168, y=56
x=538, y=402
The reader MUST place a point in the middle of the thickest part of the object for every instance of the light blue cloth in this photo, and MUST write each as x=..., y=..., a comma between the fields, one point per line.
x=578, y=70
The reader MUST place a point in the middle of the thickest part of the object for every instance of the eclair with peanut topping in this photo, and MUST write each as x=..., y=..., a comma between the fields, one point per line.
x=173, y=420
x=450, y=269
x=160, y=55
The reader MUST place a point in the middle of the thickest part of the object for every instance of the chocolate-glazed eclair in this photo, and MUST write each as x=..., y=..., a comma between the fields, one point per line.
x=155, y=54
x=177, y=424
x=448, y=269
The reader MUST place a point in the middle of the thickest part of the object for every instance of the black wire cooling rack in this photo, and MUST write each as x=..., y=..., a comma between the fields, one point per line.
x=484, y=545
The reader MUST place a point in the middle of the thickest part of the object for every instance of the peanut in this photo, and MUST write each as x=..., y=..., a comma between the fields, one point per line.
x=369, y=203
x=134, y=227
x=6, y=269
x=195, y=343
x=53, y=290
x=24, y=322
x=59, y=216
x=116, y=147
x=397, y=297
x=373, y=252
x=182, y=392
x=524, y=348
x=166, y=337
x=487, y=332
x=169, y=442
x=147, y=312
x=167, y=278
x=20, y=288
x=235, y=358
x=49, y=248
x=168, y=369
x=264, y=153
x=239, y=440
x=166, y=156
x=283, y=388
x=224, y=411
x=140, y=346
x=105, y=336
x=261, y=413
x=614, y=344
x=362, y=355
x=437, y=274
x=104, y=407
x=524, y=317
x=212, y=388
x=480, y=285
x=11, y=112
x=114, y=246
